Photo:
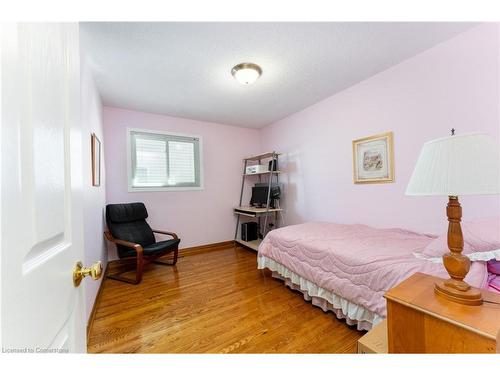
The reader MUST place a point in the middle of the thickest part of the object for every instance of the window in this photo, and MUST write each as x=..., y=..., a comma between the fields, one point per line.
x=164, y=161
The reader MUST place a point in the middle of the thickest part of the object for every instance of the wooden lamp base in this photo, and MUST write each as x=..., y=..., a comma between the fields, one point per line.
x=457, y=265
x=471, y=297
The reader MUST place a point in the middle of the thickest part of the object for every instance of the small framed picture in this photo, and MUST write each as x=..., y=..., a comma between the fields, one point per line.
x=96, y=160
x=373, y=159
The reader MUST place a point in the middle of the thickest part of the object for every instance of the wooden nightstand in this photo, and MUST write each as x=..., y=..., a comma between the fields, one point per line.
x=419, y=321
x=375, y=341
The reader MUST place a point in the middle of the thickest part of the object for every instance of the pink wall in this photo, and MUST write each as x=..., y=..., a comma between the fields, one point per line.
x=199, y=217
x=455, y=84
x=94, y=197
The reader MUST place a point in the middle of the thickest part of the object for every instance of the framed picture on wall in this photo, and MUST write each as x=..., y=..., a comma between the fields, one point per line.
x=96, y=160
x=373, y=159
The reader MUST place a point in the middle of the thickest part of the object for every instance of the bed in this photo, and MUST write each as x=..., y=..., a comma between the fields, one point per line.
x=348, y=268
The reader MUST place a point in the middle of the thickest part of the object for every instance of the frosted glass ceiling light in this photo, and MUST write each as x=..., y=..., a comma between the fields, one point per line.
x=246, y=73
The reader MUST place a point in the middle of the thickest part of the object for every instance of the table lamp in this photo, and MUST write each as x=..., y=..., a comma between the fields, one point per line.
x=466, y=164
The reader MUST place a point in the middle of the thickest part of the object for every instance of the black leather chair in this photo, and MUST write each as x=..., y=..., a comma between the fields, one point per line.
x=134, y=238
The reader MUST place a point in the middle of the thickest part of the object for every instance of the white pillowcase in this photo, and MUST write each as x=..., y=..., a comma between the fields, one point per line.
x=474, y=257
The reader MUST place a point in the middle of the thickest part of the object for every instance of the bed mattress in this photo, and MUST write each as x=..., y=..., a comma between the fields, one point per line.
x=355, y=263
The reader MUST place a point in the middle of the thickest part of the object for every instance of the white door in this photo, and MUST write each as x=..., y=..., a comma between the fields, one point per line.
x=41, y=188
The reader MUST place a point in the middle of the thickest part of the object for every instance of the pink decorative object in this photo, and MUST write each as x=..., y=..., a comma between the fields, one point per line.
x=494, y=283
x=494, y=275
x=494, y=267
x=479, y=235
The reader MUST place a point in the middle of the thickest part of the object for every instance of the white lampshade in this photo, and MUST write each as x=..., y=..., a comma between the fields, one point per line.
x=466, y=164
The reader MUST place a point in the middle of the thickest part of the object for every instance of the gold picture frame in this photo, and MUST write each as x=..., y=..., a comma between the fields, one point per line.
x=373, y=159
x=96, y=159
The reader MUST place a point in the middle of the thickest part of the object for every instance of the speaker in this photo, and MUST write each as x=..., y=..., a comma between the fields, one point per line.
x=249, y=231
x=271, y=165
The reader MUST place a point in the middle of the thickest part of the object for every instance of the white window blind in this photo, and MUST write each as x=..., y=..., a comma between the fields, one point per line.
x=181, y=163
x=161, y=160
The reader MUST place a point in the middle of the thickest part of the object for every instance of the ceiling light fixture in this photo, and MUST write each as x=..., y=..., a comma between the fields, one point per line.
x=246, y=73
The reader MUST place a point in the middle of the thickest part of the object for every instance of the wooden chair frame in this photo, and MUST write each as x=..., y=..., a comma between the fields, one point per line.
x=140, y=258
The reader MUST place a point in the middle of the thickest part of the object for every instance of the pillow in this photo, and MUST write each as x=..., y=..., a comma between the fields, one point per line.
x=494, y=267
x=494, y=284
x=479, y=235
x=439, y=247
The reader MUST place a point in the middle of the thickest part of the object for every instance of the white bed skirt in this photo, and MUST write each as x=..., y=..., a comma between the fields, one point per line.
x=326, y=300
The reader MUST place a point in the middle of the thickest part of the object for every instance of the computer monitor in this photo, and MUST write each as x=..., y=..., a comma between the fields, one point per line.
x=259, y=195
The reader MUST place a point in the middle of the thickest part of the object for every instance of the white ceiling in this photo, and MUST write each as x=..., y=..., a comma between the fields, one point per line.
x=184, y=69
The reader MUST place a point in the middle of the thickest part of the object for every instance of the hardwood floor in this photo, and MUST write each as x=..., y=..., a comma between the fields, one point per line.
x=213, y=301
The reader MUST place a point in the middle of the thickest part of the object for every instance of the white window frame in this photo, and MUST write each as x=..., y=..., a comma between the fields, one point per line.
x=133, y=189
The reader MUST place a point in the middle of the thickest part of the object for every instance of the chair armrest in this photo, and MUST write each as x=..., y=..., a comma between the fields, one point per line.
x=138, y=248
x=174, y=235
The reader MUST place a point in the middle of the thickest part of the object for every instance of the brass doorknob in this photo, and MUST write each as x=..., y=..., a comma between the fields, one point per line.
x=94, y=271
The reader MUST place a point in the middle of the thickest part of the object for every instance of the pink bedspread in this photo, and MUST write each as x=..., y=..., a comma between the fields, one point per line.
x=356, y=262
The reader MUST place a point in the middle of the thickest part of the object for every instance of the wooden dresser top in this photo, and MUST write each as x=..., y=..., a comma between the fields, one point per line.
x=417, y=292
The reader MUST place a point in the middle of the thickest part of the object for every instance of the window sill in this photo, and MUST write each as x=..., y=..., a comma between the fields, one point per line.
x=153, y=189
